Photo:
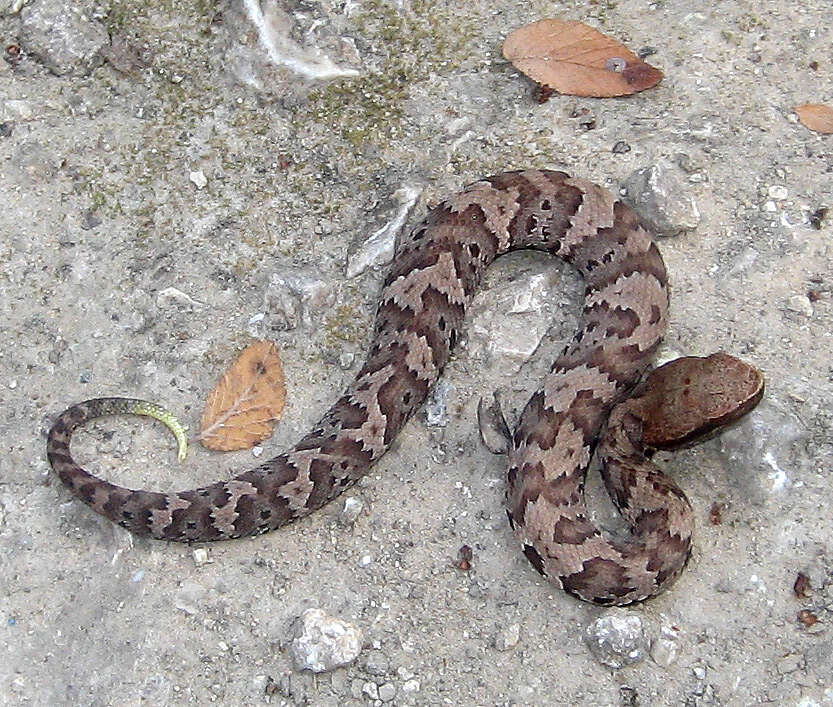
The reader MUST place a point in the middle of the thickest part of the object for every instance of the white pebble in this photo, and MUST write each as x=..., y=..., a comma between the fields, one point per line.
x=198, y=179
x=410, y=686
x=323, y=642
x=777, y=191
x=371, y=690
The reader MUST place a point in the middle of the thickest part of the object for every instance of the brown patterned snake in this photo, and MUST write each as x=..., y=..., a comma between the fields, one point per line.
x=433, y=278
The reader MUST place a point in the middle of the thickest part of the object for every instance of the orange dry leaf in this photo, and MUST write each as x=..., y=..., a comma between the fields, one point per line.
x=816, y=116
x=249, y=398
x=579, y=60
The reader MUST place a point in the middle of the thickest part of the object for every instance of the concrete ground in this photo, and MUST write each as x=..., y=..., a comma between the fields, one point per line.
x=167, y=169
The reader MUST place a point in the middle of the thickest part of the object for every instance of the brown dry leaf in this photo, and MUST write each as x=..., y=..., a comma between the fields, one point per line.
x=578, y=60
x=247, y=400
x=816, y=116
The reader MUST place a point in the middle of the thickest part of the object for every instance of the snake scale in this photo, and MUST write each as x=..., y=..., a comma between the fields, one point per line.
x=433, y=277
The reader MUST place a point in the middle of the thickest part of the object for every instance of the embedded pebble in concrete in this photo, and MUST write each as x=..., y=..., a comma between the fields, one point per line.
x=661, y=198
x=765, y=451
x=62, y=36
x=511, y=317
x=322, y=642
x=436, y=407
x=665, y=648
x=296, y=295
x=379, y=246
x=494, y=431
x=376, y=663
x=351, y=510
x=507, y=638
x=617, y=638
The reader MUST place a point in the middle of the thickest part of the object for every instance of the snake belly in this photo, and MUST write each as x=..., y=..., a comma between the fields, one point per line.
x=433, y=277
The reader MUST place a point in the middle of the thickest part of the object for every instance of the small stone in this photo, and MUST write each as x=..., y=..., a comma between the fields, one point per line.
x=617, y=638
x=89, y=220
x=6, y=128
x=295, y=294
x=189, y=597
x=511, y=318
x=621, y=147
x=11, y=7
x=377, y=663
x=507, y=638
x=665, y=648
x=387, y=692
x=371, y=690
x=494, y=430
x=198, y=179
x=778, y=192
x=378, y=248
x=801, y=305
x=19, y=108
x=365, y=560
x=323, y=642
x=790, y=663
x=62, y=38
x=768, y=448
x=171, y=297
x=410, y=686
x=436, y=408
x=353, y=507
x=200, y=556
x=356, y=688
x=661, y=199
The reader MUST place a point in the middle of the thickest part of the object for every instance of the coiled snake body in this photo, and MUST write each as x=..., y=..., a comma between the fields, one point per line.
x=434, y=275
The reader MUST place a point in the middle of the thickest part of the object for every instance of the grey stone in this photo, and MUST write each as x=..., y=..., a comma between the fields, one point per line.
x=661, y=199
x=508, y=636
x=617, y=638
x=494, y=431
x=376, y=663
x=323, y=642
x=295, y=294
x=351, y=510
x=62, y=37
x=387, y=692
x=666, y=647
x=436, y=407
x=766, y=450
x=378, y=248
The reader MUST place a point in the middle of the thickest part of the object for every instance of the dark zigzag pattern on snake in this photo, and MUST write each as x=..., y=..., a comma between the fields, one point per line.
x=434, y=275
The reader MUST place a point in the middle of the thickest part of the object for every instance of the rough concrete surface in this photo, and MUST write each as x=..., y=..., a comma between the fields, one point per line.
x=160, y=163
